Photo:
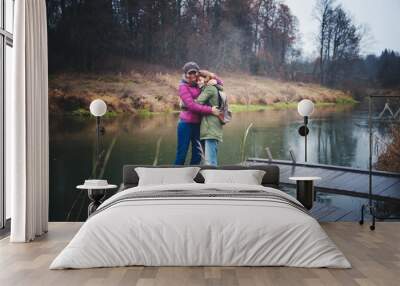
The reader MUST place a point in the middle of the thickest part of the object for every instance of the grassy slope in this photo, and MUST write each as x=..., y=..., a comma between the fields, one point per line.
x=142, y=93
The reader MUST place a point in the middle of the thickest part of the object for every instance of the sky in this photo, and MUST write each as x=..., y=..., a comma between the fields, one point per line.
x=380, y=17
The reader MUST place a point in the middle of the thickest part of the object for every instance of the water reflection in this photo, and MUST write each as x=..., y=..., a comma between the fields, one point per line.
x=334, y=139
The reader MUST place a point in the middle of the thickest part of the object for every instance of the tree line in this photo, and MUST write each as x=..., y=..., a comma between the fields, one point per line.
x=383, y=70
x=339, y=63
x=256, y=36
x=249, y=35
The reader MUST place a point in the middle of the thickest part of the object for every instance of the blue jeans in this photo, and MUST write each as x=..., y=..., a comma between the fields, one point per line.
x=211, y=152
x=188, y=133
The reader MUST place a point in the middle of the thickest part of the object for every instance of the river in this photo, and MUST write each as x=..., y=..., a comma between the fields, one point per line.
x=338, y=136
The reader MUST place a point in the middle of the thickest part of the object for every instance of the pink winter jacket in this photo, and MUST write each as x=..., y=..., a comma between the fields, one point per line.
x=193, y=110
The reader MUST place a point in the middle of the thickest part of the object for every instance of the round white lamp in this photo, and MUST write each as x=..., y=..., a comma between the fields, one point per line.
x=98, y=108
x=305, y=108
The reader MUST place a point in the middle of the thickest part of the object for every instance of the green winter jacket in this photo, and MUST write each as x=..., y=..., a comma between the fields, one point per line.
x=211, y=127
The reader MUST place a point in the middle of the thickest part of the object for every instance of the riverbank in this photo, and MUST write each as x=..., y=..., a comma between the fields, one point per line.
x=285, y=105
x=145, y=93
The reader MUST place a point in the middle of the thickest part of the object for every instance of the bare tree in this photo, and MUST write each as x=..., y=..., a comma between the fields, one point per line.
x=339, y=42
x=323, y=12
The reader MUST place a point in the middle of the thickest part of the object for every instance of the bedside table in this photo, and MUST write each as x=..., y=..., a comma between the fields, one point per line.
x=305, y=190
x=96, y=195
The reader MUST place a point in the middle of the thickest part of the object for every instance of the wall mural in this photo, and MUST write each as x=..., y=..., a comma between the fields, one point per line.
x=163, y=68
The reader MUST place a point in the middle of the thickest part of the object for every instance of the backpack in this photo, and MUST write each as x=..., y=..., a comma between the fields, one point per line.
x=226, y=114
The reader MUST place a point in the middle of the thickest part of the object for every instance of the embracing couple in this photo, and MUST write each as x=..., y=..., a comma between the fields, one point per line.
x=200, y=123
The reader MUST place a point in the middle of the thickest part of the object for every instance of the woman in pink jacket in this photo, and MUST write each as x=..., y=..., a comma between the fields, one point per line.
x=188, y=129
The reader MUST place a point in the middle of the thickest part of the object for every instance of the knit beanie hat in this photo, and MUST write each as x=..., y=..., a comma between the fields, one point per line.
x=189, y=67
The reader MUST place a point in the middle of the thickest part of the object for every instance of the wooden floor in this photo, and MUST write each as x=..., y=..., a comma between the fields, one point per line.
x=341, y=180
x=375, y=257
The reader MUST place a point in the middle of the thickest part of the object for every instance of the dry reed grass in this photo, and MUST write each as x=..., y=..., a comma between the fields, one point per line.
x=139, y=91
x=389, y=159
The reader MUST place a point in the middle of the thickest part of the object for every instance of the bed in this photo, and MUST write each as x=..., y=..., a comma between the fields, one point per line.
x=198, y=224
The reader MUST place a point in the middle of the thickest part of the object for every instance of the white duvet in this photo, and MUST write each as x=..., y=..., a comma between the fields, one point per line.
x=200, y=231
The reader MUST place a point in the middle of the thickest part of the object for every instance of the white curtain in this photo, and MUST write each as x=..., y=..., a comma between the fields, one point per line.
x=27, y=122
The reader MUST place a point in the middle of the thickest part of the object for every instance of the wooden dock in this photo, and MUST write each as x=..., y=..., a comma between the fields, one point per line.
x=339, y=180
x=328, y=213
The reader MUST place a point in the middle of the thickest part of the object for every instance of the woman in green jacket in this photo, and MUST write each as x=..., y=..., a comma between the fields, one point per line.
x=211, y=127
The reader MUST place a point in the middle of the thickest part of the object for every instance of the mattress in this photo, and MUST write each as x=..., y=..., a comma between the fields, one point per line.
x=201, y=225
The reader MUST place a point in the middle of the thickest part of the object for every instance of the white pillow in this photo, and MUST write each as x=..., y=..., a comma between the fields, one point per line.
x=166, y=176
x=248, y=177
